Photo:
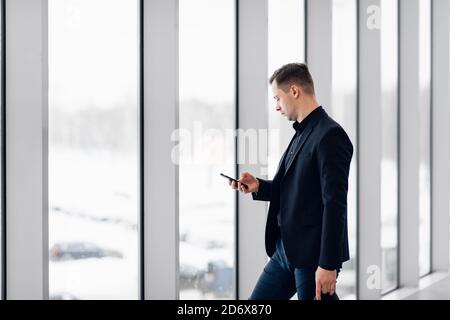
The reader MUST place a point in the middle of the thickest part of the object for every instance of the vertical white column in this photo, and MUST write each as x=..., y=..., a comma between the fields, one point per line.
x=369, y=219
x=160, y=93
x=319, y=47
x=409, y=143
x=2, y=155
x=26, y=149
x=252, y=101
x=440, y=134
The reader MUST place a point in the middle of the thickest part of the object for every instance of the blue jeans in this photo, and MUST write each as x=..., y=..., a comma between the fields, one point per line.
x=280, y=281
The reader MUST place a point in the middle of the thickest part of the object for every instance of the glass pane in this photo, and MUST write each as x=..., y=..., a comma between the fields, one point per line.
x=207, y=122
x=93, y=172
x=424, y=136
x=389, y=134
x=286, y=45
x=344, y=111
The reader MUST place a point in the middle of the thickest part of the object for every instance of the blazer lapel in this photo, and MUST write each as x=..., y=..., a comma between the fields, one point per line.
x=307, y=131
x=302, y=141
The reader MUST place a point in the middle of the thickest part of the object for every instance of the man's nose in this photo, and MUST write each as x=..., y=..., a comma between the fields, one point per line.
x=277, y=107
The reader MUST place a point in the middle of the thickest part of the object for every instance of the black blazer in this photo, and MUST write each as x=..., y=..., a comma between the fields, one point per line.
x=310, y=194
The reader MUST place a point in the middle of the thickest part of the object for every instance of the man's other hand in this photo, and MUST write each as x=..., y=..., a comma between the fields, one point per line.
x=325, y=282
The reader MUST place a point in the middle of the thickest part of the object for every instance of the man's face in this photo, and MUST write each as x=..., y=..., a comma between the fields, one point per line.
x=284, y=101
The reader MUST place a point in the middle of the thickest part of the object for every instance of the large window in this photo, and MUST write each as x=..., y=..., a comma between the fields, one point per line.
x=344, y=111
x=207, y=84
x=389, y=143
x=93, y=141
x=424, y=137
x=286, y=44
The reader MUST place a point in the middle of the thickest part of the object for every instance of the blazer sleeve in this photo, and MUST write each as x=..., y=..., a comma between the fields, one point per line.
x=334, y=155
x=264, y=192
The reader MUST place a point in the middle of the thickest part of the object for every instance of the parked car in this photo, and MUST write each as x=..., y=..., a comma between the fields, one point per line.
x=218, y=279
x=190, y=276
x=80, y=250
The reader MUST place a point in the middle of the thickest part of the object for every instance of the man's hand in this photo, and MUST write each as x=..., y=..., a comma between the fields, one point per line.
x=245, y=178
x=325, y=282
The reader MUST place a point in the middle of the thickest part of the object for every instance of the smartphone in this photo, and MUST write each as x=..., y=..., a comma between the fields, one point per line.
x=232, y=179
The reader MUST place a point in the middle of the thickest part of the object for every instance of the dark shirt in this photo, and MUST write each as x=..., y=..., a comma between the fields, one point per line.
x=293, y=145
x=299, y=127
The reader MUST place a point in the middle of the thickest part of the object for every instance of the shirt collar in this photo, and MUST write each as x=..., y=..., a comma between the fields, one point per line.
x=300, y=126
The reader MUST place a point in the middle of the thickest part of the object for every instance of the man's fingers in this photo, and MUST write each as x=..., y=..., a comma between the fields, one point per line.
x=325, y=288
x=234, y=185
x=329, y=288
x=242, y=188
x=318, y=291
x=333, y=289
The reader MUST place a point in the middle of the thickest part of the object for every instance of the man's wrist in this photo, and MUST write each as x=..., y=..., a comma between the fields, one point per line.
x=327, y=268
x=257, y=185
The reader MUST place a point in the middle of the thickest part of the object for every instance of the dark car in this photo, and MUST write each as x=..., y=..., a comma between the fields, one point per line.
x=190, y=276
x=80, y=250
x=218, y=279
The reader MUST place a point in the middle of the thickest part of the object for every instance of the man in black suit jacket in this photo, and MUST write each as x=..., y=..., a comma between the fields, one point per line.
x=306, y=229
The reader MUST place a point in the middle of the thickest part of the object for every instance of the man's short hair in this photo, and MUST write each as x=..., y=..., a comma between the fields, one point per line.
x=294, y=73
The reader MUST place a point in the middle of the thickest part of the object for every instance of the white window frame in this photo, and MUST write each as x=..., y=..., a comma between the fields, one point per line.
x=160, y=107
x=27, y=149
x=440, y=116
x=252, y=114
x=409, y=146
x=370, y=153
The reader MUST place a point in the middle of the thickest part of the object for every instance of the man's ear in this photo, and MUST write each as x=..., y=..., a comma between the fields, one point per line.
x=295, y=90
